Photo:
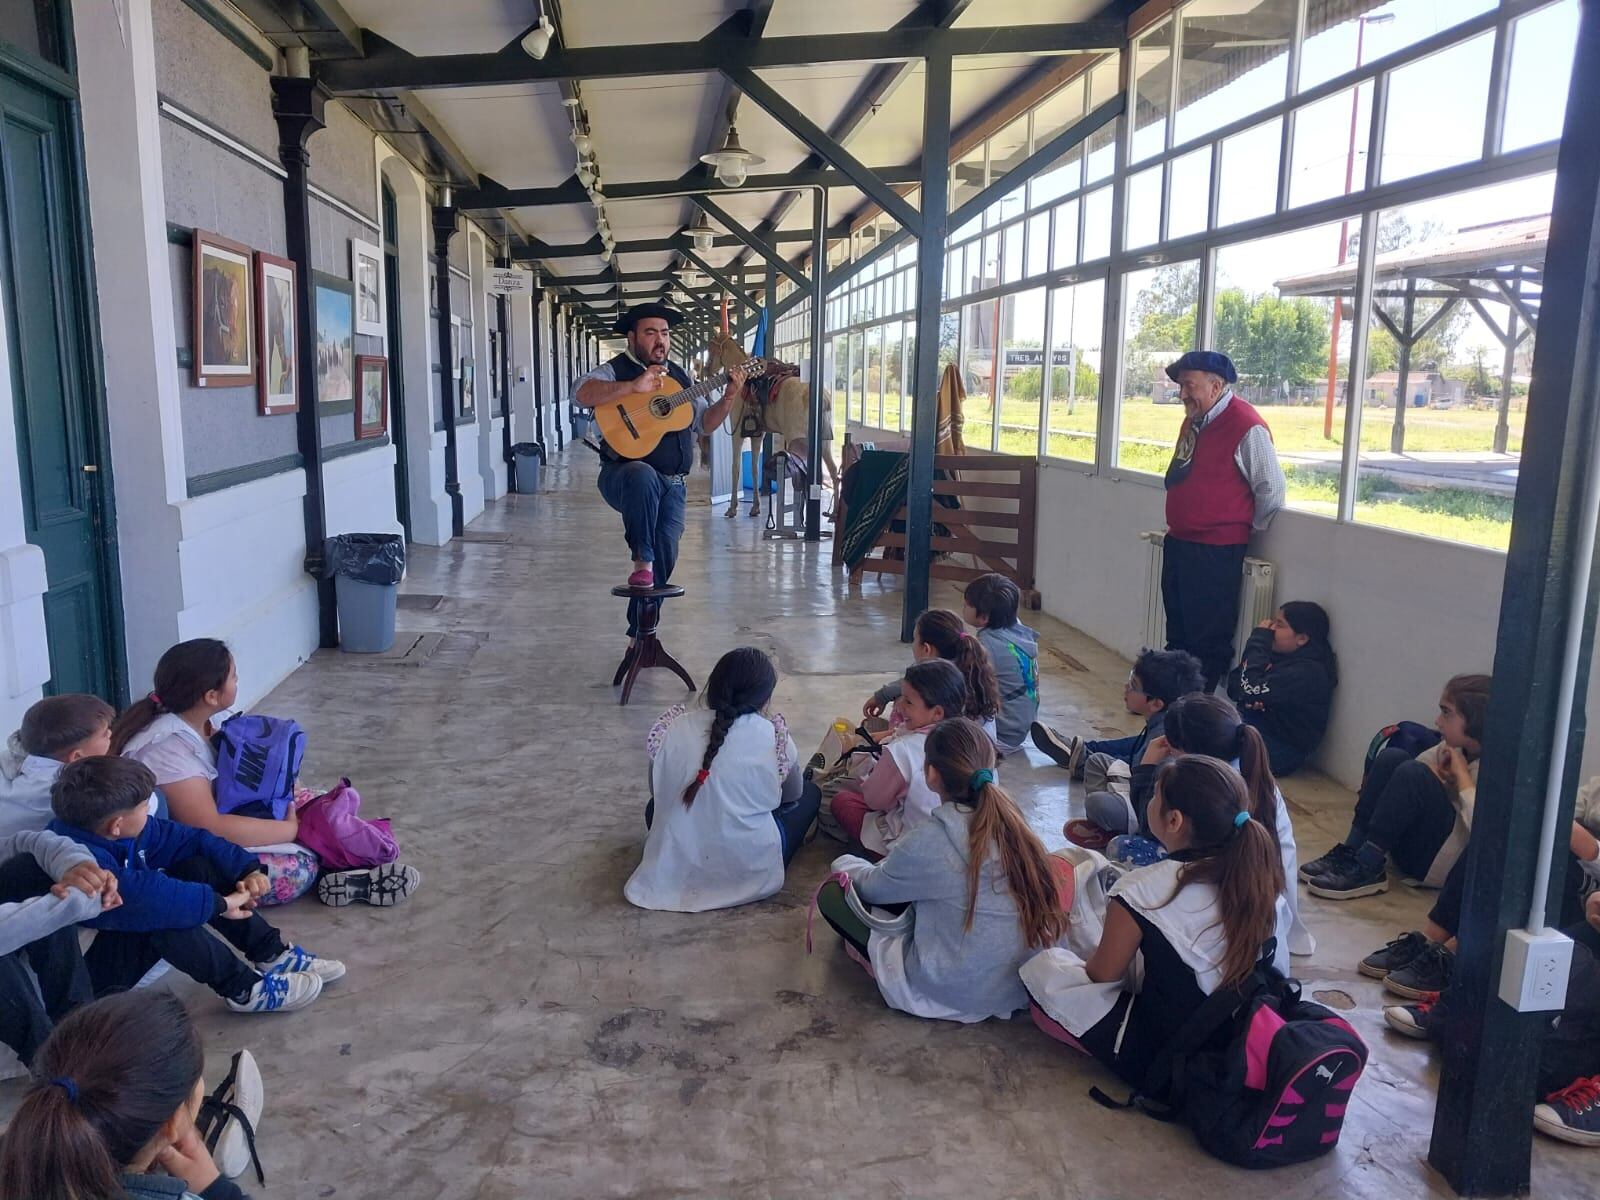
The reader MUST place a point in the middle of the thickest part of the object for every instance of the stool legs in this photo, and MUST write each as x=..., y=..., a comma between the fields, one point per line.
x=646, y=652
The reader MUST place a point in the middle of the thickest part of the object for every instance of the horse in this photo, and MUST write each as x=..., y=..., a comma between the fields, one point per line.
x=785, y=415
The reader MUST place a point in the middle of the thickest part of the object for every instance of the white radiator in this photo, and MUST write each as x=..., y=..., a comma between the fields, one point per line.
x=1256, y=597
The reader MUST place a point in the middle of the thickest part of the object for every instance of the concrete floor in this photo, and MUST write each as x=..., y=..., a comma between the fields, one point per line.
x=519, y=1030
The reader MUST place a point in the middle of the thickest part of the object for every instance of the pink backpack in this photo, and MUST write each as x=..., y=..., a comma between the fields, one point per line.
x=344, y=841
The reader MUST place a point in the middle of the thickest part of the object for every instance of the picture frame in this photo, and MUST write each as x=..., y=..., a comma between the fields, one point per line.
x=277, y=327
x=366, y=275
x=335, y=348
x=372, y=392
x=467, y=400
x=223, y=348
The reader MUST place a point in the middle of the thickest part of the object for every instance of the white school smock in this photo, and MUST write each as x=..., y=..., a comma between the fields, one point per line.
x=882, y=829
x=171, y=748
x=725, y=849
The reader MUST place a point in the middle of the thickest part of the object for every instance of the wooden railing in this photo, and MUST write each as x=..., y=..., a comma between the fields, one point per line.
x=999, y=538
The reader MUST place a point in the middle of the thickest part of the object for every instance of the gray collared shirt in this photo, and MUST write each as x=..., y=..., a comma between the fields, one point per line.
x=1257, y=460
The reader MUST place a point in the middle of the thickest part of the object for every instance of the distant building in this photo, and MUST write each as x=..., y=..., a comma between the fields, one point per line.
x=1427, y=389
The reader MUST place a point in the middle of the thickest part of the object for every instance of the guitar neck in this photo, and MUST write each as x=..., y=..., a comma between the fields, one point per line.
x=704, y=388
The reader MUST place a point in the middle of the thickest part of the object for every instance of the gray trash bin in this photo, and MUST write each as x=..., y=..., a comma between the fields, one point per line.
x=366, y=570
x=527, y=464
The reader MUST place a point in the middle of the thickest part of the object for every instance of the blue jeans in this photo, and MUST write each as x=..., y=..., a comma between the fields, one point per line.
x=652, y=508
x=1124, y=748
x=1285, y=759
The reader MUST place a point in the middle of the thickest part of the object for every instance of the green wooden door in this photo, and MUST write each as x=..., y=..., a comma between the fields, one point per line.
x=44, y=286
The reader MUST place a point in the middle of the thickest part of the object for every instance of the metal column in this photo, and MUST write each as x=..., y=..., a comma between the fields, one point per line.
x=297, y=105
x=930, y=286
x=502, y=308
x=814, y=430
x=1482, y=1130
x=536, y=369
x=444, y=227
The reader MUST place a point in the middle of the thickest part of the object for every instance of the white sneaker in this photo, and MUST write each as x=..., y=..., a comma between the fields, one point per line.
x=280, y=993
x=297, y=959
x=229, y=1115
x=379, y=886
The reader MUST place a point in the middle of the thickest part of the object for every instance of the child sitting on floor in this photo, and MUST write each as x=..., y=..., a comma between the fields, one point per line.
x=991, y=603
x=1417, y=809
x=55, y=731
x=981, y=886
x=731, y=812
x=111, y=1110
x=1284, y=683
x=1196, y=921
x=171, y=732
x=174, y=881
x=895, y=796
x=939, y=634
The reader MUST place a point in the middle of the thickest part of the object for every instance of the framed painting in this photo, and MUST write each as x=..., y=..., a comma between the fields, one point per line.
x=372, y=387
x=366, y=272
x=336, y=363
x=224, y=345
x=275, y=333
x=465, y=386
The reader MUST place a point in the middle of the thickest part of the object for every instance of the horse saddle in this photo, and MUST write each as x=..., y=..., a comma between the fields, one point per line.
x=759, y=392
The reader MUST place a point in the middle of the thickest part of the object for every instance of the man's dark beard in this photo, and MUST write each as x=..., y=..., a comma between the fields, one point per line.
x=659, y=354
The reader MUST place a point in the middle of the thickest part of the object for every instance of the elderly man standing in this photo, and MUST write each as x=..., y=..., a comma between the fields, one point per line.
x=1224, y=483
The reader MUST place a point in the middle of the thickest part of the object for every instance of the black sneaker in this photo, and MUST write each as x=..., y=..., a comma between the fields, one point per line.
x=1349, y=882
x=1413, y=1020
x=1339, y=858
x=1427, y=973
x=1064, y=751
x=1572, y=1114
x=1401, y=952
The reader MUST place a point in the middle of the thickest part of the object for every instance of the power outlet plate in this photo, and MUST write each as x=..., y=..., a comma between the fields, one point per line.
x=1533, y=973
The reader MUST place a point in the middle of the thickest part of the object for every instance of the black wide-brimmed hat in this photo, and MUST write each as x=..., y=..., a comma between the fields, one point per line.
x=1204, y=360
x=640, y=312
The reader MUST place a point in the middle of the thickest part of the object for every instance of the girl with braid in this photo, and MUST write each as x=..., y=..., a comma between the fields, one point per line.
x=726, y=812
x=982, y=886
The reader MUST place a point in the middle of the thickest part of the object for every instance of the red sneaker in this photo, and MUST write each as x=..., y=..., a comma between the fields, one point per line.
x=644, y=577
x=1087, y=834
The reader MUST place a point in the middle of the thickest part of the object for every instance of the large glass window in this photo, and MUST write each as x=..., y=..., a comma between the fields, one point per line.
x=1144, y=209
x=1415, y=138
x=1341, y=35
x=1160, y=306
x=1022, y=379
x=1078, y=316
x=979, y=336
x=1064, y=251
x=874, y=400
x=1235, y=62
x=893, y=375
x=858, y=377
x=1152, y=85
x=1330, y=147
x=1189, y=193
x=1097, y=224
x=1541, y=68
x=1038, y=244
x=1249, y=184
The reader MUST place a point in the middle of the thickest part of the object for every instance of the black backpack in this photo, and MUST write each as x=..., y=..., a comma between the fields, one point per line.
x=1276, y=1093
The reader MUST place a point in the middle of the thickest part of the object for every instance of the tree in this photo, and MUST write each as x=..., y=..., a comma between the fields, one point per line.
x=1274, y=342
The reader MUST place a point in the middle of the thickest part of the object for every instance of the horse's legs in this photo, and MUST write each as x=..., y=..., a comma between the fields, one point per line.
x=738, y=474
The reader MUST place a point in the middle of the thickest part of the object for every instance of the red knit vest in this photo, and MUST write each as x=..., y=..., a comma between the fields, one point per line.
x=1214, y=503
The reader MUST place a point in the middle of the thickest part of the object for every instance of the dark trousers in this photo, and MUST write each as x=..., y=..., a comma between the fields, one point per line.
x=1404, y=809
x=794, y=819
x=44, y=980
x=1282, y=757
x=118, y=960
x=1572, y=1049
x=652, y=507
x=1200, y=589
x=1446, y=910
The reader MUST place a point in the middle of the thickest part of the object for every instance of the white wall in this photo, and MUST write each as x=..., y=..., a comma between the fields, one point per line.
x=1408, y=612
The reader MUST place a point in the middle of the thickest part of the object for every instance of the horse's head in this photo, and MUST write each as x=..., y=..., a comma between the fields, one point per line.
x=726, y=351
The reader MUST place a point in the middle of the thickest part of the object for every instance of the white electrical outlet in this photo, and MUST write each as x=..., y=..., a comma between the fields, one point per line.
x=815, y=492
x=1533, y=973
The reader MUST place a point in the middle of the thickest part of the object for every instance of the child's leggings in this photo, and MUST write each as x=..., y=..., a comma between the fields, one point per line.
x=836, y=912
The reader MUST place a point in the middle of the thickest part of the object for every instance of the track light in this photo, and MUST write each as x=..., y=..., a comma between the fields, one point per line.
x=581, y=141
x=732, y=161
x=585, y=172
x=536, y=42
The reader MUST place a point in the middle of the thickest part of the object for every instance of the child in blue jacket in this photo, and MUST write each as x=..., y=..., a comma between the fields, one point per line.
x=174, y=881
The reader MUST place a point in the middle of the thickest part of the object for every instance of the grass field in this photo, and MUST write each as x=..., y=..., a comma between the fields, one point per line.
x=1148, y=430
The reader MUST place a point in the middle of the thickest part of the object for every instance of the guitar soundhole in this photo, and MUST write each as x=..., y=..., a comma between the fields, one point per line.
x=659, y=406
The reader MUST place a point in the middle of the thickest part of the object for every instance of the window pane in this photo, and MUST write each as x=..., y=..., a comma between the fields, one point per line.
x=1097, y=224
x=1013, y=253
x=1022, y=320
x=1235, y=62
x=1075, y=370
x=1441, y=427
x=1330, y=147
x=875, y=376
x=1152, y=85
x=953, y=274
x=893, y=389
x=1038, y=244
x=1415, y=140
x=1274, y=316
x=1063, y=176
x=1008, y=148
x=858, y=374
x=990, y=263
x=1339, y=33
x=1158, y=325
x=1057, y=111
x=1144, y=209
x=967, y=177
x=1249, y=184
x=34, y=27
x=1541, y=67
x=839, y=368
x=977, y=370
x=1190, y=193
x=1065, y=251
x=1013, y=202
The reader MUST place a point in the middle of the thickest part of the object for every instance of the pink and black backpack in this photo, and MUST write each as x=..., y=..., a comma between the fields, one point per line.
x=1262, y=1077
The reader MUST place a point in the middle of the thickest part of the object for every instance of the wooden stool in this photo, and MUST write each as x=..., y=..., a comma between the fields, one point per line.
x=645, y=651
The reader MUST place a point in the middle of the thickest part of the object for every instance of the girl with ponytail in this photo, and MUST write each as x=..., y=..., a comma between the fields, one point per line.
x=940, y=633
x=726, y=812
x=982, y=887
x=1198, y=920
x=115, y=1094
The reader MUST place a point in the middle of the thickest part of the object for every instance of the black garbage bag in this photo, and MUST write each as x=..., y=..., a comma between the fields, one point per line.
x=368, y=557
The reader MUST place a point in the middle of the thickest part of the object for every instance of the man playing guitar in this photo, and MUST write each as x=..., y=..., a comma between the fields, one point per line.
x=650, y=492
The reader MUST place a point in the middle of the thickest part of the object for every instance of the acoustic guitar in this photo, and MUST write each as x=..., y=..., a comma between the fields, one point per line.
x=634, y=425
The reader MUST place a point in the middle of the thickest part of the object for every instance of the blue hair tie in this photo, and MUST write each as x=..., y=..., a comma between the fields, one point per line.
x=67, y=1086
x=1241, y=820
x=980, y=777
